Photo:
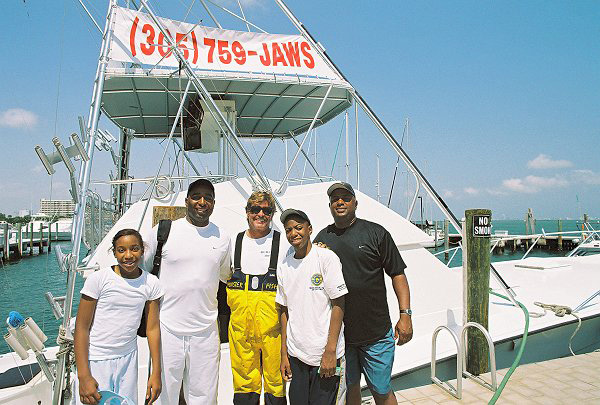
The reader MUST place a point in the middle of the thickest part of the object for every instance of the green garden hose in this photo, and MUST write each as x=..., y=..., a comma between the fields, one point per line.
x=519, y=354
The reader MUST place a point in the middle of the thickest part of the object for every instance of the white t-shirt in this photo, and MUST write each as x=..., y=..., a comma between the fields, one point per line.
x=306, y=287
x=118, y=311
x=194, y=259
x=256, y=253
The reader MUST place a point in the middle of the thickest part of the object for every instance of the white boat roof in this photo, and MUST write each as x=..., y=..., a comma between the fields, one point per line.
x=266, y=105
x=229, y=214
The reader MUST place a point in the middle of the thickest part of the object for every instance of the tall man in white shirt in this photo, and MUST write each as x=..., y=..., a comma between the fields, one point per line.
x=194, y=258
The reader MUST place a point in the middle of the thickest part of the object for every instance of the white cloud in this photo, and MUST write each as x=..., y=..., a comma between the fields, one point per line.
x=546, y=162
x=586, y=176
x=516, y=185
x=546, y=182
x=448, y=194
x=471, y=190
x=18, y=118
x=533, y=184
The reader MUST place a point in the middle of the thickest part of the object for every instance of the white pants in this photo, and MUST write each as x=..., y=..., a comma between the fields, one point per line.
x=193, y=360
x=117, y=375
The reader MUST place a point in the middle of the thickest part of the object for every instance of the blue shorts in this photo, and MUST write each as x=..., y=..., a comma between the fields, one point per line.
x=375, y=361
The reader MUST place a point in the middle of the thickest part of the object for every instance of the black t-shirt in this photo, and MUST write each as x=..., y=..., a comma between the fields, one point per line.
x=366, y=250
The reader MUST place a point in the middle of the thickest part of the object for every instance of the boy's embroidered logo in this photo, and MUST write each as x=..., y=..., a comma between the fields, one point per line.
x=316, y=279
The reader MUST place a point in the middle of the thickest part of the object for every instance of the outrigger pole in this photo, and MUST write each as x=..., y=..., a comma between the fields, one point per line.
x=84, y=182
x=389, y=137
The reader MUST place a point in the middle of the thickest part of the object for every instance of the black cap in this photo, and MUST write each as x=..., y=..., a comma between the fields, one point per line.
x=290, y=211
x=200, y=183
x=341, y=185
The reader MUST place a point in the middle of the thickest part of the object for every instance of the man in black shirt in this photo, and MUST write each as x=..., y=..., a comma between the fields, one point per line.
x=367, y=250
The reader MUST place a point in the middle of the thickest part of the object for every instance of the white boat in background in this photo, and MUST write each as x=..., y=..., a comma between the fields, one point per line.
x=59, y=228
x=228, y=103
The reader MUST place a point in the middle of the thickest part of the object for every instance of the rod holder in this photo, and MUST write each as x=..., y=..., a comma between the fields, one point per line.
x=36, y=329
x=15, y=345
x=56, y=304
x=31, y=338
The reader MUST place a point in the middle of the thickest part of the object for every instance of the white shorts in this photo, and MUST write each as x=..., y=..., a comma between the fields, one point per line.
x=117, y=375
x=193, y=361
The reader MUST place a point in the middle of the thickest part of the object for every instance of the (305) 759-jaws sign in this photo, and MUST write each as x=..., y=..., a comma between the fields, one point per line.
x=137, y=39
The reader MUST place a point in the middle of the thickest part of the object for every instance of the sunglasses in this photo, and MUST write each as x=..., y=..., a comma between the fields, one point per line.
x=344, y=198
x=255, y=209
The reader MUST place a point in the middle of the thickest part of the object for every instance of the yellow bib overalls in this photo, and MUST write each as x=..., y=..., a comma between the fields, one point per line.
x=254, y=331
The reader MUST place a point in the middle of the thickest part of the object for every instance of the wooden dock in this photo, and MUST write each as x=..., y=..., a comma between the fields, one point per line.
x=568, y=380
x=522, y=242
x=24, y=241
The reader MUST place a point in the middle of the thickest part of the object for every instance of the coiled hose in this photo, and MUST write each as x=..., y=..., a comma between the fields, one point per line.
x=519, y=353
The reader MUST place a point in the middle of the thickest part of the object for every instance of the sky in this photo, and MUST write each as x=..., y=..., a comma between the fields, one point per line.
x=502, y=98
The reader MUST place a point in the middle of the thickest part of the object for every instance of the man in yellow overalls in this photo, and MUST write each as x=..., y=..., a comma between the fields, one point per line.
x=254, y=330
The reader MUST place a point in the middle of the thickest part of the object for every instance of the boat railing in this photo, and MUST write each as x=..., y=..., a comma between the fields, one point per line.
x=461, y=360
x=588, y=236
x=587, y=301
x=456, y=392
x=309, y=179
x=214, y=178
x=100, y=216
x=594, y=235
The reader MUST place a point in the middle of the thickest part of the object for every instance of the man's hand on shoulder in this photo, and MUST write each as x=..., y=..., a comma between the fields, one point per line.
x=403, y=330
x=322, y=245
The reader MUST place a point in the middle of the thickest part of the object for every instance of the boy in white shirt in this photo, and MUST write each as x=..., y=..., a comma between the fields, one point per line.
x=310, y=293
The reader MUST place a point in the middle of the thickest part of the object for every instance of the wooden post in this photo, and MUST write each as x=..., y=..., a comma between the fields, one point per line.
x=560, y=238
x=41, y=245
x=49, y=235
x=476, y=238
x=435, y=236
x=446, y=240
x=30, y=238
x=5, y=242
x=20, y=240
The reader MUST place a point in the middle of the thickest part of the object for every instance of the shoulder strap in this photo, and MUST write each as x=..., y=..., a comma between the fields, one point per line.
x=237, y=253
x=274, y=251
x=164, y=228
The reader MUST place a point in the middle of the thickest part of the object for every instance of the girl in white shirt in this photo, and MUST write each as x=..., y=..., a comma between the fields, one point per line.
x=110, y=309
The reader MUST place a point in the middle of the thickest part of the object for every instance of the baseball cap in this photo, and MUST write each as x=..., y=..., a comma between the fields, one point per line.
x=198, y=183
x=340, y=185
x=291, y=211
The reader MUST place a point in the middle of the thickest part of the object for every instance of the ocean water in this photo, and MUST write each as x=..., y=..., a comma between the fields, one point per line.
x=24, y=283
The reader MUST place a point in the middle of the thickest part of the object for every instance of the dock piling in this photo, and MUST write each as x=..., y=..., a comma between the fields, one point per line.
x=446, y=240
x=20, y=240
x=30, y=238
x=41, y=243
x=476, y=283
x=560, y=238
x=5, y=242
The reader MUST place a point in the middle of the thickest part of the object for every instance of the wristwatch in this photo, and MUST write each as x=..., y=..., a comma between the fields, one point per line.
x=407, y=311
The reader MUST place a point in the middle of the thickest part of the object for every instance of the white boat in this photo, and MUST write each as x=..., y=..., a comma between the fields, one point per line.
x=59, y=228
x=143, y=89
